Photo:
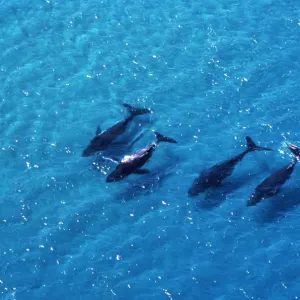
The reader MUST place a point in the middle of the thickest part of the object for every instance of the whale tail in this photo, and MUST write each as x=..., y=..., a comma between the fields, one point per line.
x=295, y=150
x=134, y=111
x=251, y=146
x=162, y=138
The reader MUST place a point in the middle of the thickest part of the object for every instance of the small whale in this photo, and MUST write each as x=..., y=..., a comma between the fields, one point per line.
x=272, y=184
x=213, y=176
x=103, y=139
x=131, y=164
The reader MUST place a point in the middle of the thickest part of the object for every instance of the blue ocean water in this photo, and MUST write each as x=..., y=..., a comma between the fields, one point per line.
x=213, y=72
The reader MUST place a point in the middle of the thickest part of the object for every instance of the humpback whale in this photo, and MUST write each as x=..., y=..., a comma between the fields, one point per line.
x=272, y=184
x=131, y=164
x=103, y=139
x=213, y=176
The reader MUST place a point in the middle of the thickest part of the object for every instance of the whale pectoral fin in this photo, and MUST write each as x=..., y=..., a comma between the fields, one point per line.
x=141, y=171
x=98, y=130
x=116, y=159
x=112, y=159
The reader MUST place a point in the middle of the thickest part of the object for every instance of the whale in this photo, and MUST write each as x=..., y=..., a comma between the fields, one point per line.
x=132, y=164
x=103, y=139
x=273, y=183
x=213, y=177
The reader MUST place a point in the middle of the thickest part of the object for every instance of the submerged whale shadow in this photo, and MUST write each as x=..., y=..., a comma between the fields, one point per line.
x=214, y=197
x=278, y=206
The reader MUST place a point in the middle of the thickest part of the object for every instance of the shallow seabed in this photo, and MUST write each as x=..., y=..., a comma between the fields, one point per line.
x=213, y=72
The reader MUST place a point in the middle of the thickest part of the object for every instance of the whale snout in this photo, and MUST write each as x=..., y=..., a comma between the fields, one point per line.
x=85, y=154
x=109, y=179
x=192, y=192
x=114, y=176
x=254, y=199
x=88, y=151
x=196, y=189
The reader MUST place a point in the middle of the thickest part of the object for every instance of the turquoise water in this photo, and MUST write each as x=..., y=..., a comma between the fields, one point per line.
x=213, y=72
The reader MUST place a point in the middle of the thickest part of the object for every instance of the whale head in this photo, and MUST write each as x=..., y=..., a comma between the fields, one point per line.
x=197, y=187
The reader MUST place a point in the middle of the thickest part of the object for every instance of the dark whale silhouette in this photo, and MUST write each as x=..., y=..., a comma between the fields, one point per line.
x=272, y=184
x=149, y=183
x=213, y=176
x=103, y=139
x=132, y=163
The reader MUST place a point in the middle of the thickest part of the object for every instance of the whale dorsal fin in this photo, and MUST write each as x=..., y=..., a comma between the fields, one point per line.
x=98, y=130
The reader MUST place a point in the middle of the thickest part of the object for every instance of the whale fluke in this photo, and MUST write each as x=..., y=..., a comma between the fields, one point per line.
x=251, y=146
x=162, y=138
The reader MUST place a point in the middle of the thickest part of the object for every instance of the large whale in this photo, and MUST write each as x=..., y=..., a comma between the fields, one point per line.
x=213, y=176
x=131, y=164
x=103, y=139
x=272, y=184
